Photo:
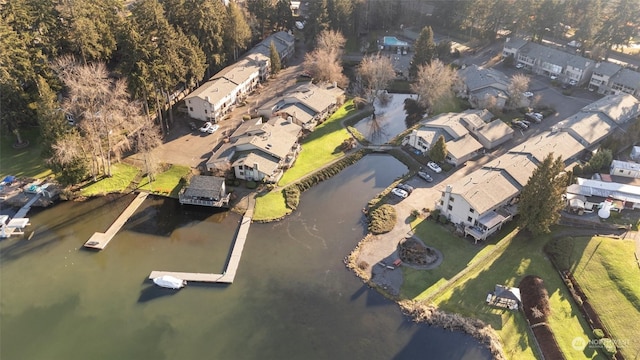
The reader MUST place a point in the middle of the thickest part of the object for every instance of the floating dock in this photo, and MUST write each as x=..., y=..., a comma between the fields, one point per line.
x=100, y=240
x=229, y=273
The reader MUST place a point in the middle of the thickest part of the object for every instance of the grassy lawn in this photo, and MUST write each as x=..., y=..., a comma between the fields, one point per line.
x=321, y=146
x=270, y=206
x=608, y=274
x=506, y=263
x=123, y=175
x=25, y=162
x=166, y=183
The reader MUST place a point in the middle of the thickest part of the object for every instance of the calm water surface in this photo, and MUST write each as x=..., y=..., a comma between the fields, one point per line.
x=292, y=299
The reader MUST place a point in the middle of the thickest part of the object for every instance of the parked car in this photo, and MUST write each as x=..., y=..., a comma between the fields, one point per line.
x=573, y=82
x=527, y=94
x=553, y=77
x=399, y=193
x=519, y=65
x=406, y=187
x=519, y=124
x=526, y=123
x=433, y=166
x=209, y=128
x=535, y=117
x=425, y=176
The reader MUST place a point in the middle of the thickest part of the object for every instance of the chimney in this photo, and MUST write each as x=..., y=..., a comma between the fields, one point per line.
x=448, y=189
x=255, y=167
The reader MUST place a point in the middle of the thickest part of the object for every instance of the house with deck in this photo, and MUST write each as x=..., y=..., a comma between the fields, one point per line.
x=307, y=105
x=258, y=151
x=483, y=200
x=205, y=191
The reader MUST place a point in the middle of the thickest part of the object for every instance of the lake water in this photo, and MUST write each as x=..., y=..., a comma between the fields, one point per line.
x=388, y=122
x=293, y=297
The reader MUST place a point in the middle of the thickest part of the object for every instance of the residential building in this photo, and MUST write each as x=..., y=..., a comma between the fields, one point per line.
x=490, y=134
x=284, y=42
x=212, y=100
x=608, y=78
x=625, y=168
x=624, y=196
x=205, y=191
x=549, y=61
x=307, y=105
x=258, y=151
x=482, y=201
x=484, y=88
x=635, y=153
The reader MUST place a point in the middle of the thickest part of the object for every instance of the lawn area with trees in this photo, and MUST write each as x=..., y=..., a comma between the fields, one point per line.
x=166, y=182
x=23, y=162
x=505, y=262
x=608, y=274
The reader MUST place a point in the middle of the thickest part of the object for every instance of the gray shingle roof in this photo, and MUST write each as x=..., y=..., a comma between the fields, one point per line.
x=209, y=187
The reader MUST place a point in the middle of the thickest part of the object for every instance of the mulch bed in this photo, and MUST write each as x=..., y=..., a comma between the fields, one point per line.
x=548, y=344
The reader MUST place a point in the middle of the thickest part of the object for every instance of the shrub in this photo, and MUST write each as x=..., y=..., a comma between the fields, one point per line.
x=246, y=117
x=608, y=346
x=251, y=185
x=292, y=196
x=362, y=265
x=415, y=213
x=560, y=251
x=534, y=296
x=382, y=219
x=598, y=333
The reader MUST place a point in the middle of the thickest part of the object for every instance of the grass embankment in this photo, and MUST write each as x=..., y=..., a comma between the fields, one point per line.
x=166, y=183
x=608, y=274
x=25, y=162
x=504, y=263
x=122, y=175
x=322, y=146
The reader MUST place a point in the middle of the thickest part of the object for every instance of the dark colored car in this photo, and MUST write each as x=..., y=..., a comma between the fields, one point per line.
x=425, y=176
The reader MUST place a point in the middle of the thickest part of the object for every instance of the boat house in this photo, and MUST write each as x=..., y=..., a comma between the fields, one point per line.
x=205, y=191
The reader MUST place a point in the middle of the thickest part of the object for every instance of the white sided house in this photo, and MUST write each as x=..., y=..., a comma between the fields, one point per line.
x=625, y=168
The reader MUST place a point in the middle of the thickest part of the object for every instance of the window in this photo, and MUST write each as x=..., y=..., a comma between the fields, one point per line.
x=441, y=202
x=205, y=111
x=451, y=199
x=450, y=207
x=621, y=171
x=469, y=219
x=190, y=108
x=471, y=210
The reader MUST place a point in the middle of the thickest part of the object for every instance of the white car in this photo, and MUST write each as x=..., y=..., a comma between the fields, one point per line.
x=553, y=77
x=573, y=83
x=399, y=193
x=519, y=65
x=527, y=94
x=209, y=128
x=433, y=166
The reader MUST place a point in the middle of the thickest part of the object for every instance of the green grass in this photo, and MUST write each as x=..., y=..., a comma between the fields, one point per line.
x=321, y=146
x=25, y=162
x=166, y=183
x=607, y=272
x=505, y=263
x=123, y=175
x=270, y=206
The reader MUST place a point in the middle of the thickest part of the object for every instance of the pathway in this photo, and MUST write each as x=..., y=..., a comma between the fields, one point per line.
x=229, y=274
x=100, y=240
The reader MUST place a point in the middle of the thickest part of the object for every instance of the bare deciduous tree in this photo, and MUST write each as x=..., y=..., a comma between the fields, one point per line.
x=325, y=66
x=434, y=83
x=102, y=110
x=331, y=41
x=518, y=85
x=375, y=73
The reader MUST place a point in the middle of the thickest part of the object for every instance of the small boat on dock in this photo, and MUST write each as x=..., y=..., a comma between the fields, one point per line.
x=170, y=282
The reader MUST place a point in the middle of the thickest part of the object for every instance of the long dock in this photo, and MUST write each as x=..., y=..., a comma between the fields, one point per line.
x=229, y=273
x=100, y=240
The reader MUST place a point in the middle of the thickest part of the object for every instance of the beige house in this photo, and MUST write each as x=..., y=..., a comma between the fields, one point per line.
x=307, y=105
x=490, y=134
x=258, y=151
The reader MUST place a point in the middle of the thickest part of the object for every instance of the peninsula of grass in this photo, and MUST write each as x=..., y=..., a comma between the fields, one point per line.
x=322, y=146
x=507, y=265
x=166, y=183
x=270, y=206
x=607, y=272
x=122, y=176
x=23, y=162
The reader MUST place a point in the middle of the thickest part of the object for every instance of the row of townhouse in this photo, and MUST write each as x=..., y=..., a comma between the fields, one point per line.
x=605, y=77
x=483, y=200
x=465, y=134
x=223, y=91
x=611, y=78
x=548, y=61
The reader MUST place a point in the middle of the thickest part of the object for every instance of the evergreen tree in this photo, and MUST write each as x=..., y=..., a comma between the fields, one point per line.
x=541, y=198
x=274, y=57
x=237, y=32
x=318, y=20
x=425, y=50
x=339, y=13
x=438, y=151
x=282, y=18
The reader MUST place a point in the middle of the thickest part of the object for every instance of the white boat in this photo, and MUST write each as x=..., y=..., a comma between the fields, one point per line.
x=170, y=282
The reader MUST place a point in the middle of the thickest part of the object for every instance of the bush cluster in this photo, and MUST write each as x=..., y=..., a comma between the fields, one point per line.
x=382, y=219
x=535, y=299
x=560, y=251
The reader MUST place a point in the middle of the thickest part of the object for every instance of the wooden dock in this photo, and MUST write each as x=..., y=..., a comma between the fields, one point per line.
x=229, y=274
x=100, y=240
